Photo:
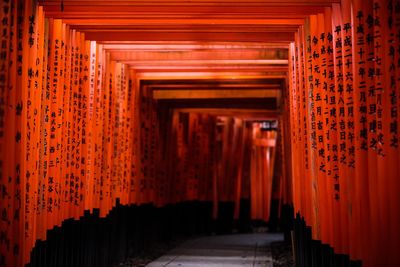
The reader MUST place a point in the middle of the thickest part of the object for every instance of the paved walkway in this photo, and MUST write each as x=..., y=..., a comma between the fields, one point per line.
x=218, y=251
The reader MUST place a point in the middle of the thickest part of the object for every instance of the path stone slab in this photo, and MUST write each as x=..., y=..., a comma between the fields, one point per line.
x=251, y=250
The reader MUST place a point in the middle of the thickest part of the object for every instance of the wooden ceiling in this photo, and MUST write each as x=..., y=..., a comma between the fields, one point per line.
x=187, y=40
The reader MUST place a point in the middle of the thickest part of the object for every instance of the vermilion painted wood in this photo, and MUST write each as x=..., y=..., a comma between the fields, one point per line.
x=205, y=40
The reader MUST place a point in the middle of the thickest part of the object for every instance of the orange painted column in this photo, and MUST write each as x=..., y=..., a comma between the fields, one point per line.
x=328, y=116
x=133, y=139
x=261, y=172
x=107, y=153
x=41, y=83
x=374, y=225
x=239, y=162
x=8, y=132
x=360, y=128
x=18, y=186
x=293, y=132
x=360, y=211
x=29, y=130
x=99, y=122
x=339, y=134
x=308, y=196
x=393, y=53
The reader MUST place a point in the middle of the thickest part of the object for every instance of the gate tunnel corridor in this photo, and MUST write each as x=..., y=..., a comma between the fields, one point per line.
x=130, y=122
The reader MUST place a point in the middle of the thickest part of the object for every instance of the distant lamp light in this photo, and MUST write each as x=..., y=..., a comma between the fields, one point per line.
x=269, y=125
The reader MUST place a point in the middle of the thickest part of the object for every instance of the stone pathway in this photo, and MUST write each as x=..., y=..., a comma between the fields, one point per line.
x=218, y=251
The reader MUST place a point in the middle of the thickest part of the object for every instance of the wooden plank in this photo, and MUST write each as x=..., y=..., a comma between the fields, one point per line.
x=276, y=37
x=209, y=94
x=163, y=55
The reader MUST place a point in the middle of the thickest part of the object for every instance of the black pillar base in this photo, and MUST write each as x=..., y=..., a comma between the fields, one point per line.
x=309, y=252
x=128, y=231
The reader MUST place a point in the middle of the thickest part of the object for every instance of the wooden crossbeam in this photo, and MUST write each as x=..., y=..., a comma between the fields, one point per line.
x=215, y=94
x=248, y=54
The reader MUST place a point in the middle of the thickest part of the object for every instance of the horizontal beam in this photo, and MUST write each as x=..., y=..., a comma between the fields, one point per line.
x=222, y=103
x=206, y=75
x=283, y=38
x=172, y=16
x=133, y=55
x=248, y=114
x=234, y=83
x=182, y=28
x=277, y=62
x=195, y=86
x=189, y=45
x=216, y=69
x=180, y=21
x=215, y=94
x=191, y=2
